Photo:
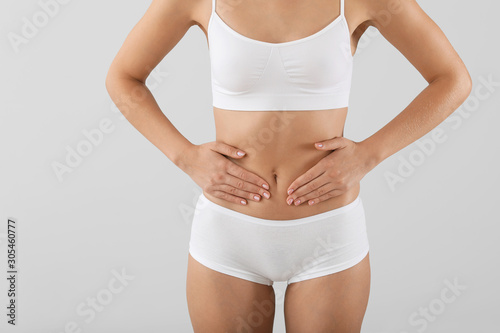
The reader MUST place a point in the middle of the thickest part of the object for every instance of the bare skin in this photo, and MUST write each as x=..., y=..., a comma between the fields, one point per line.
x=222, y=303
x=279, y=145
x=333, y=303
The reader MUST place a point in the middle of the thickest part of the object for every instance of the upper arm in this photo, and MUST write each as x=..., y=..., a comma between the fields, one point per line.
x=157, y=32
x=408, y=28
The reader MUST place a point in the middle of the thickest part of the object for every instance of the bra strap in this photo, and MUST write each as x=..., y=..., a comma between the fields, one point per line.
x=341, y=7
x=213, y=5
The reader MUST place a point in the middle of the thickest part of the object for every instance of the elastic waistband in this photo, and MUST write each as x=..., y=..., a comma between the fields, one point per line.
x=334, y=212
x=289, y=102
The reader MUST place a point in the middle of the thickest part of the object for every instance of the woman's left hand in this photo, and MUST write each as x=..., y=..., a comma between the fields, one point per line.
x=333, y=175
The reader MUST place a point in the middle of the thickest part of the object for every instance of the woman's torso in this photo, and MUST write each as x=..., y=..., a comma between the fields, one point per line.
x=279, y=144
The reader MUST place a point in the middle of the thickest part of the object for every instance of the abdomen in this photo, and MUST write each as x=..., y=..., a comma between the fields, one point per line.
x=279, y=147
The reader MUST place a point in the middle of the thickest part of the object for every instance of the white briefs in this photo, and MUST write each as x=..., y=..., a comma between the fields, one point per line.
x=263, y=250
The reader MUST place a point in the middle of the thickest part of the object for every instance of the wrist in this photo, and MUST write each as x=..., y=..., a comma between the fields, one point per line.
x=372, y=155
x=182, y=157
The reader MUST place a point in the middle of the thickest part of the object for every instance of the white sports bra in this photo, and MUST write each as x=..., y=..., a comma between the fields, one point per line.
x=310, y=73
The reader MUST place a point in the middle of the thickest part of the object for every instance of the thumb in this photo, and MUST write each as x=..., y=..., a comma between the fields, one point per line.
x=227, y=150
x=331, y=144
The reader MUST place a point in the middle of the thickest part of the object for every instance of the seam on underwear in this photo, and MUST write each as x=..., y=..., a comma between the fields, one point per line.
x=330, y=270
x=221, y=268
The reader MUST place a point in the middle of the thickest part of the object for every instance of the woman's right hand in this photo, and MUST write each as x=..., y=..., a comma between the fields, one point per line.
x=209, y=167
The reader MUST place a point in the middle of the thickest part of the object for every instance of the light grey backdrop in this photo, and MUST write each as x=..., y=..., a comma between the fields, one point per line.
x=125, y=210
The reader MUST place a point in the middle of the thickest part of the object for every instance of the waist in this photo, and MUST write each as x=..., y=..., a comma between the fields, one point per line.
x=279, y=147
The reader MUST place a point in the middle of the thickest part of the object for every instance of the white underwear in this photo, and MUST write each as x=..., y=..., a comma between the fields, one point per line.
x=263, y=250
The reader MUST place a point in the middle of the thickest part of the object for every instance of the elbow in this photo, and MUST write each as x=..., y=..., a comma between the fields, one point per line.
x=109, y=81
x=459, y=85
x=460, y=88
x=464, y=85
x=113, y=82
x=113, y=75
x=115, y=78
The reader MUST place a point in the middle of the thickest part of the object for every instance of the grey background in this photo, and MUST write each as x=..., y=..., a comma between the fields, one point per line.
x=127, y=207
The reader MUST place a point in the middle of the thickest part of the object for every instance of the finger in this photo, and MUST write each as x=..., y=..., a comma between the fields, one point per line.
x=317, y=192
x=243, y=174
x=227, y=150
x=237, y=192
x=332, y=144
x=308, y=188
x=245, y=186
x=324, y=197
x=228, y=197
x=305, y=178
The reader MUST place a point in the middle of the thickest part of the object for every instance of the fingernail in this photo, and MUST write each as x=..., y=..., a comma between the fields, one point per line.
x=290, y=191
x=319, y=145
x=265, y=186
x=311, y=202
x=297, y=202
x=240, y=153
x=266, y=195
x=290, y=201
x=256, y=197
x=243, y=202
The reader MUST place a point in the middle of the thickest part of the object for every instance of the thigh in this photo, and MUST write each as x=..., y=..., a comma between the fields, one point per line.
x=334, y=303
x=219, y=302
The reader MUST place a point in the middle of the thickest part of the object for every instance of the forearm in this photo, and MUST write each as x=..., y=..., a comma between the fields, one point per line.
x=137, y=104
x=432, y=106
